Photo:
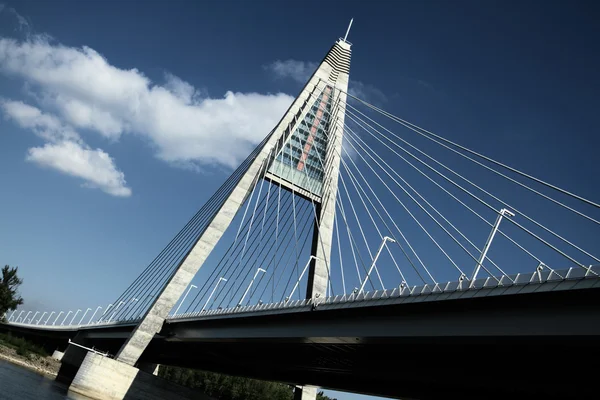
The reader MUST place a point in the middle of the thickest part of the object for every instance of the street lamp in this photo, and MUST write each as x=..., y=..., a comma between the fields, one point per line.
x=65, y=318
x=182, y=300
x=19, y=316
x=133, y=300
x=104, y=313
x=11, y=315
x=250, y=285
x=213, y=292
x=78, y=311
x=503, y=212
x=83, y=316
x=57, y=317
x=49, y=316
x=26, y=315
x=34, y=315
x=116, y=308
x=301, y=275
x=385, y=239
x=42, y=317
x=94, y=314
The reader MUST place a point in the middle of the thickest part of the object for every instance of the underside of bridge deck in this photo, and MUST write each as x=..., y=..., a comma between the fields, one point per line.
x=469, y=368
x=524, y=346
x=535, y=345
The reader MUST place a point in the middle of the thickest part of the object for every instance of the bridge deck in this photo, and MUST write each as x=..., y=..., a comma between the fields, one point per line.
x=421, y=342
x=522, y=283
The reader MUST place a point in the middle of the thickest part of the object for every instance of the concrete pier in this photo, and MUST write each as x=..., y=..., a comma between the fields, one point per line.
x=71, y=360
x=104, y=378
x=305, y=392
x=58, y=355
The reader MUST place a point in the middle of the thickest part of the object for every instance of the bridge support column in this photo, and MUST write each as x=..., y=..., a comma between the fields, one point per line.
x=332, y=73
x=305, y=392
x=150, y=368
x=71, y=361
x=58, y=355
x=319, y=272
x=104, y=378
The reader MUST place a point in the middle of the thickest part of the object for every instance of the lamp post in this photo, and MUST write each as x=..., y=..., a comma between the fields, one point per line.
x=250, y=285
x=503, y=212
x=94, y=314
x=19, y=316
x=65, y=318
x=385, y=239
x=182, y=300
x=34, y=315
x=49, y=316
x=26, y=315
x=213, y=292
x=105, y=312
x=133, y=300
x=57, y=317
x=116, y=308
x=83, y=316
x=42, y=317
x=12, y=315
x=74, y=315
x=301, y=275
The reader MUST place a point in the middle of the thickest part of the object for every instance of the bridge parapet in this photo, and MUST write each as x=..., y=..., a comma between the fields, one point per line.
x=521, y=283
x=537, y=281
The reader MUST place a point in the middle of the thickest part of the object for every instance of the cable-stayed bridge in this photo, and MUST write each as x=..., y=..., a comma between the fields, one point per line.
x=355, y=250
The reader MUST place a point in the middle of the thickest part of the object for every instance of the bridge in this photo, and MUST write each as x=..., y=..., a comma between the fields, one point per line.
x=355, y=250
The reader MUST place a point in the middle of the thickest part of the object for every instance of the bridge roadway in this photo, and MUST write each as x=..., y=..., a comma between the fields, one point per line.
x=525, y=340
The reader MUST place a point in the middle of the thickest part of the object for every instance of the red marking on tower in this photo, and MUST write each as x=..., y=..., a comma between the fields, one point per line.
x=313, y=130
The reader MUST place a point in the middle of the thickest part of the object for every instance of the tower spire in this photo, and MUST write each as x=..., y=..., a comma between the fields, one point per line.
x=348, y=31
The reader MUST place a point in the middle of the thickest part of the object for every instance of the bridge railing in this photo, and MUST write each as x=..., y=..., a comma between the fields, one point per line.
x=540, y=280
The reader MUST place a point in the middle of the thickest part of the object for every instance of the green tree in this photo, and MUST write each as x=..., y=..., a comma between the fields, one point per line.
x=9, y=283
x=226, y=387
x=321, y=396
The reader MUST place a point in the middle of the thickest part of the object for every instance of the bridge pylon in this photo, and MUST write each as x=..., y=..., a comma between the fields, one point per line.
x=302, y=155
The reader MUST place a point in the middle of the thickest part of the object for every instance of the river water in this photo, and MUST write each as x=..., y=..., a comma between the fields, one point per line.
x=18, y=383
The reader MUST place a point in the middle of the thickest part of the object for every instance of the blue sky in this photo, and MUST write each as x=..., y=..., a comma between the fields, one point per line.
x=102, y=161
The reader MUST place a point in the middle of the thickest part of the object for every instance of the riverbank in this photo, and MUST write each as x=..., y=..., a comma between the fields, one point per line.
x=42, y=365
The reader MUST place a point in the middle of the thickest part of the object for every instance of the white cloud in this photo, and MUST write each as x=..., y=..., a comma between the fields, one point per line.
x=85, y=115
x=366, y=92
x=184, y=129
x=179, y=88
x=22, y=24
x=300, y=71
x=44, y=125
x=96, y=167
x=65, y=151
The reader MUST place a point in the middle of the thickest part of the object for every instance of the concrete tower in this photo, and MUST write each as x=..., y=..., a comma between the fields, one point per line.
x=302, y=154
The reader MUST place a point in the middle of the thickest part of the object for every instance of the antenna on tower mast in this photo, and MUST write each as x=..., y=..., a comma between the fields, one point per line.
x=348, y=31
